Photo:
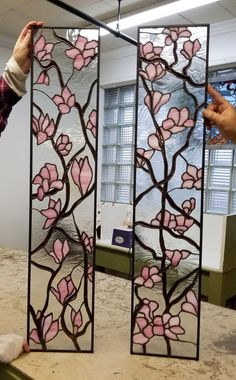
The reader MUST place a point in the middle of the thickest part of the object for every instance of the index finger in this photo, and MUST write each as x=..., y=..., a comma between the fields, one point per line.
x=28, y=27
x=215, y=95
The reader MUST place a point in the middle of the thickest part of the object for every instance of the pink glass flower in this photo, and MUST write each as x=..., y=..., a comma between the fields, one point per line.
x=156, y=140
x=192, y=178
x=168, y=221
x=43, y=50
x=43, y=127
x=168, y=325
x=49, y=328
x=148, y=51
x=82, y=174
x=92, y=123
x=145, y=331
x=65, y=290
x=148, y=309
x=149, y=277
x=146, y=154
x=183, y=224
x=63, y=145
x=156, y=100
x=174, y=33
x=47, y=179
x=76, y=320
x=43, y=78
x=83, y=52
x=90, y=273
x=190, y=48
x=51, y=213
x=176, y=255
x=153, y=71
x=191, y=304
x=177, y=223
x=189, y=205
x=177, y=120
x=65, y=101
x=60, y=250
x=88, y=242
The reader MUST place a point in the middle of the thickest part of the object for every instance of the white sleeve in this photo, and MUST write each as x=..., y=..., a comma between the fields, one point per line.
x=11, y=346
x=15, y=77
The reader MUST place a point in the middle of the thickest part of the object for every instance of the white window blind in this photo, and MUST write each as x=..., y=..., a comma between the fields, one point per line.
x=118, y=145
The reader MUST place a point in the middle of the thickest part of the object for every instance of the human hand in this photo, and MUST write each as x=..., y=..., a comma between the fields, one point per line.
x=21, y=51
x=222, y=114
x=11, y=346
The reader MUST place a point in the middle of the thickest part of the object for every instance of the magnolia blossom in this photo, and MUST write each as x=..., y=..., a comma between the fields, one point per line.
x=88, y=242
x=192, y=178
x=148, y=51
x=190, y=48
x=146, y=154
x=191, y=304
x=156, y=100
x=174, y=33
x=51, y=213
x=176, y=255
x=83, y=52
x=65, y=290
x=64, y=102
x=149, y=277
x=177, y=120
x=82, y=174
x=47, y=179
x=178, y=223
x=60, y=250
x=49, y=328
x=43, y=78
x=76, y=320
x=43, y=127
x=168, y=325
x=43, y=50
x=63, y=145
x=189, y=205
x=92, y=123
x=153, y=71
x=148, y=324
x=156, y=140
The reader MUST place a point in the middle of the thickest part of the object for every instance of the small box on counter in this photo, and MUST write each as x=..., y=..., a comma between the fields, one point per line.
x=122, y=237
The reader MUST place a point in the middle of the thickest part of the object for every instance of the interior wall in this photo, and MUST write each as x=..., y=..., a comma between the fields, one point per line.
x=117, y=66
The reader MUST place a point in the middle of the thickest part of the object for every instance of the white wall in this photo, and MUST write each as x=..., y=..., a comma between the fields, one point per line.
x=117, y=66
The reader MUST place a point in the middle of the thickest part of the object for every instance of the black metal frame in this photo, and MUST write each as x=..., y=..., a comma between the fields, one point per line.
x=93, y=20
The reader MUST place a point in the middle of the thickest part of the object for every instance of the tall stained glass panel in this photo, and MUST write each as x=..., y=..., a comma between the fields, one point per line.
x=171, y=92
x=63, y=184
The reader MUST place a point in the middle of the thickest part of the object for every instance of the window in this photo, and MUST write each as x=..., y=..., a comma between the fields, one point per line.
x=118, y=145
x=220, y=155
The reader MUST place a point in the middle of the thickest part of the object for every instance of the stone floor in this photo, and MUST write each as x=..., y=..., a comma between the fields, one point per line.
x=111, y=359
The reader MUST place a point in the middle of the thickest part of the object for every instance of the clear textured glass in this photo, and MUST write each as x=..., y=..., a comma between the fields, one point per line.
x=172, y=64
x=62, y=225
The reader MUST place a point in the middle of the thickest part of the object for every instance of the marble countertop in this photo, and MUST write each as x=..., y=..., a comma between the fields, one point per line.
x=111, y=359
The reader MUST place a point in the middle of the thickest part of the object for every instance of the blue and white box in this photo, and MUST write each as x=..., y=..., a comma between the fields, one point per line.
x=122, y=237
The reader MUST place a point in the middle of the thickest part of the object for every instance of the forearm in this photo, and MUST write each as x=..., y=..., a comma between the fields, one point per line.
x=7, y=100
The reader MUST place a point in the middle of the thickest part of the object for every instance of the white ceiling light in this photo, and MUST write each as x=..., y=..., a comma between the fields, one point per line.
x=157, y=13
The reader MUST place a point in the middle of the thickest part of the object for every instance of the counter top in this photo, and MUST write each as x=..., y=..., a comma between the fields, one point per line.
x=111, y=359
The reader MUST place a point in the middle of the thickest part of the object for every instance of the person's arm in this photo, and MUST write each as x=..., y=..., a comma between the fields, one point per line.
x=222, y=114
x=12, y=82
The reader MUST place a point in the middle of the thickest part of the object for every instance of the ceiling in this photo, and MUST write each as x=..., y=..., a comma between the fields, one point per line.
x=14, y=14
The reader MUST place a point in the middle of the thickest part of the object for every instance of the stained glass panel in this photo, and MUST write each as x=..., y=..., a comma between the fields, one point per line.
x=172, y=66
x=63, y=183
